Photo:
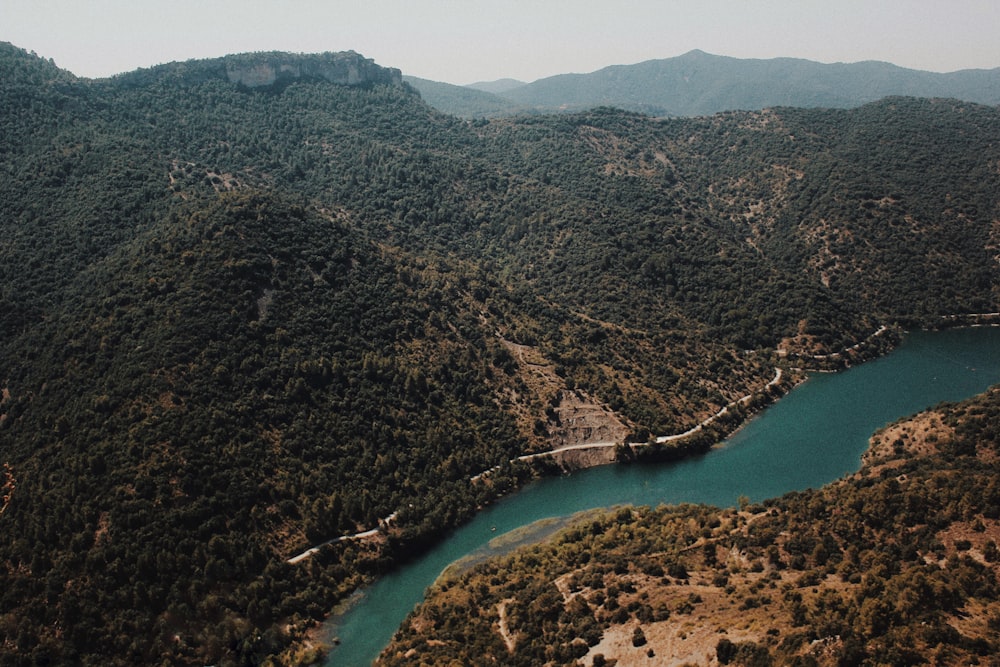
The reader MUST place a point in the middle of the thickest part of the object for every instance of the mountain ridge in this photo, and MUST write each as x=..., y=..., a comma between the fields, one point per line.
x=463, y=101
x=698, y=83
x=498, y=86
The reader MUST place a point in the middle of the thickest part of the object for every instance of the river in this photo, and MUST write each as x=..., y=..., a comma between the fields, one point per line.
x=812, y=436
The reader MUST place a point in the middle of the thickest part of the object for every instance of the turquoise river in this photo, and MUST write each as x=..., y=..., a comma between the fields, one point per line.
x=812, y=436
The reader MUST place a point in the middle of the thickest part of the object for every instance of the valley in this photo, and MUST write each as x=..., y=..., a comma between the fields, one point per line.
x=258, y=303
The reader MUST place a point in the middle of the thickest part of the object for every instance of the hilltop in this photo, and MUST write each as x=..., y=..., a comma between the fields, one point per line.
x=266, y=70
x=241, y=320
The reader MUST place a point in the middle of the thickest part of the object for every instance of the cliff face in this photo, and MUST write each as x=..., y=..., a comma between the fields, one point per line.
x=346, y=68
x=260, y=70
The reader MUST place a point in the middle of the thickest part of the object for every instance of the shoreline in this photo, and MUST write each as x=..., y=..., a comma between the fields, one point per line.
x=697, y=429
x=625, y=452
x=740, y=426
x=685, y=444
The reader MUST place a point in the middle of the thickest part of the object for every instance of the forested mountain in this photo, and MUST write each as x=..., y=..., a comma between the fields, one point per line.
x=255, y=303
x=698, y=83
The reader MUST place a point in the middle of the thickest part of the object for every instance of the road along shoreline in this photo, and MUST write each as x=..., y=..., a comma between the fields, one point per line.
x=736, y=411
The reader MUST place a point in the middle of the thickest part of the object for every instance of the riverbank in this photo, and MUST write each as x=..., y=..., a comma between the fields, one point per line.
x=573, y=457
x=814, y=435
x=697, y=439
x=712, y=428
x=778, y=581
x=383, y=525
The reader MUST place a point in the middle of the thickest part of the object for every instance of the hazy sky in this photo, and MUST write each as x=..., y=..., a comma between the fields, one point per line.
x=462, y=41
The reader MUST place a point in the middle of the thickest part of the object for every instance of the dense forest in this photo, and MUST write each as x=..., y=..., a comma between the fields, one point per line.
x=896, y=565
x=242, y=320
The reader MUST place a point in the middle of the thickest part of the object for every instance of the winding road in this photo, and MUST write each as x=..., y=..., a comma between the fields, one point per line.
x=659, y=439
x=298, y=558
x=778, y=376
x=343, y=538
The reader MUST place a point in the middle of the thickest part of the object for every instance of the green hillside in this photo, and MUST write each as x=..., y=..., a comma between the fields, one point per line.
x=256, y=303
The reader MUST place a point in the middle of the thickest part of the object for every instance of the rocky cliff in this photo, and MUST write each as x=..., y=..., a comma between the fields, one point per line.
x=345, y=68
x=259, y=70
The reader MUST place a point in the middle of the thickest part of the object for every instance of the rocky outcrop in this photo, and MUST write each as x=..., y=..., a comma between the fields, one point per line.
x=263, y=70
x=347, y=68
x=578, y=420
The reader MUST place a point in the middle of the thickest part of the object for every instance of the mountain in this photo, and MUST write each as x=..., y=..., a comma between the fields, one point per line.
x=498, y=87
x=698, y=83
x=256, y=304
x=464, y=101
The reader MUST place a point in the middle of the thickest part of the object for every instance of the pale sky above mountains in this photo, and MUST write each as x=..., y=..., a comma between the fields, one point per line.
x=464, y=41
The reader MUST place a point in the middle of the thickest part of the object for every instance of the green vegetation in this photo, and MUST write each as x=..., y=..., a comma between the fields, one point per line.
x=895, y=566
x=239, y=321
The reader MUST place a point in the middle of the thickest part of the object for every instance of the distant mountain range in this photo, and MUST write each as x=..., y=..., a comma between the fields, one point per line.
x=699, y=83
x=498, y=87
x=464, y=101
